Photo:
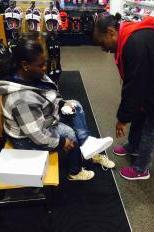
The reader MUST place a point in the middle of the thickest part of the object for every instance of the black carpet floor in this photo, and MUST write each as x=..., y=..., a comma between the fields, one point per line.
x=93, y=206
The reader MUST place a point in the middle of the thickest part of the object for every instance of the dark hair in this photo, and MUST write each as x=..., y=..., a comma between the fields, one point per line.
x=26, y=50
x=103, y=22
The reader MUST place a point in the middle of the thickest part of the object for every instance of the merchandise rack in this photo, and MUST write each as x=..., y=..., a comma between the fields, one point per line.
x=145, y=5
x=66, y=37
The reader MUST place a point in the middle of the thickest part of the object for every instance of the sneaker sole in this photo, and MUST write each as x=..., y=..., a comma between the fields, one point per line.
x=80, y=180
x=136, y=178
x=118, y=154
x=95, y=162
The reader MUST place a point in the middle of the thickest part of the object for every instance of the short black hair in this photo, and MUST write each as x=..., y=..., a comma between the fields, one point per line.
x=103, y=22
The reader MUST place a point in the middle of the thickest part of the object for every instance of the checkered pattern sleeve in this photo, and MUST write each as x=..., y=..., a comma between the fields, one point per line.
x=31, y=121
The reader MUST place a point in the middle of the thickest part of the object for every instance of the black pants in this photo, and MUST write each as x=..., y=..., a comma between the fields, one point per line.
x=141, y=140
x=135, y=132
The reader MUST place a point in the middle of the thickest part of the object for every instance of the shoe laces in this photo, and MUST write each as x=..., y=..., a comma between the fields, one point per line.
x=106, y=158
x=84, y=172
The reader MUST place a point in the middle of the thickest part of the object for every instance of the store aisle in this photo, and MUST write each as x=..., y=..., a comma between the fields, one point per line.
x=102, y=83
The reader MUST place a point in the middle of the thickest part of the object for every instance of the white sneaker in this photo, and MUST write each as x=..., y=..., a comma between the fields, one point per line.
x=82, y=175
x=103, y=160
x=93, y=146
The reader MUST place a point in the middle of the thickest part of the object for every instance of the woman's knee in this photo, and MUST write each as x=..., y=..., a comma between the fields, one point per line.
x=71, y=134
x=67, y=131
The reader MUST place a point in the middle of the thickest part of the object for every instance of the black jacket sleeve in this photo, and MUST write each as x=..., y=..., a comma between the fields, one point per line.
x=136, y=70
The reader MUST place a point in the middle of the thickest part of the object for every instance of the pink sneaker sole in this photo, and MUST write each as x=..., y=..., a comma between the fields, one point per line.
x=135, y=178
x=119, y=150
x=118, y=154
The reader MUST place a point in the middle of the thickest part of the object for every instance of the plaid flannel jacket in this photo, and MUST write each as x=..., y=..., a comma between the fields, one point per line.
x=30, y=112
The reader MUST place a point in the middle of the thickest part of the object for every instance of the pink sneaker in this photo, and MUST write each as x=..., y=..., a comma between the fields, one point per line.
x=130, y=173
x=120, y=150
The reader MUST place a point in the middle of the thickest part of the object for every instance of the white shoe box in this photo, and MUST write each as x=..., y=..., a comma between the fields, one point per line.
x=23, y=167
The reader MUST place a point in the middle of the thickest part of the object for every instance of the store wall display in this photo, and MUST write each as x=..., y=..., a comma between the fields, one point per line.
x=69, y=20
x=76, y=18
x=79, y=3
x=137, y=10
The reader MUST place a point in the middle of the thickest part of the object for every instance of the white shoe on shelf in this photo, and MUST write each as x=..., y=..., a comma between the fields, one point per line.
x=93, y=146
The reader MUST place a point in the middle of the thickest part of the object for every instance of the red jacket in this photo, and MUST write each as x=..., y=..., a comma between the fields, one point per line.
x=125, y=31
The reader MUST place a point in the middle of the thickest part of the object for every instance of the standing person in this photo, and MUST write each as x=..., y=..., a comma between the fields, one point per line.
x=33, y=114
x=133, y=45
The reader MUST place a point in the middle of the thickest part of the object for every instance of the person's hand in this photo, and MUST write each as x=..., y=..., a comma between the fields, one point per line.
x=69, y=144
x=120, y=129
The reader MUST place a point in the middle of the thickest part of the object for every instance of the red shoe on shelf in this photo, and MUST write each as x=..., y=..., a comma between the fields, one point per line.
x=64, y=21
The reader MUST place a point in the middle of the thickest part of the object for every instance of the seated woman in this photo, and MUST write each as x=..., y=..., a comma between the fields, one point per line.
x=34, y=114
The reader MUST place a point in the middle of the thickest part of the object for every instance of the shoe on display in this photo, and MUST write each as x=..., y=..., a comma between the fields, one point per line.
x=64, y=21
x=75, y=24
x=103, y=160
x=83, y=175
x=13, y=17
x=93, y=146
x=52, y=19
x=33, y=18
x=130, y=173
x=48, y=19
